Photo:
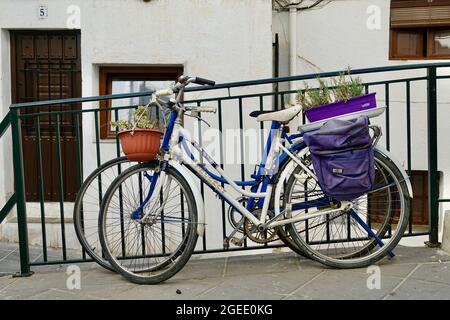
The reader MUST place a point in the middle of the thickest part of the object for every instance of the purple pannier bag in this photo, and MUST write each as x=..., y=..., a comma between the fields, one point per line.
x=342, y=156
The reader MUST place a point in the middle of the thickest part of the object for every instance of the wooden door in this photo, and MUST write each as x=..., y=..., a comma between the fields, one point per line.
x=47, y=65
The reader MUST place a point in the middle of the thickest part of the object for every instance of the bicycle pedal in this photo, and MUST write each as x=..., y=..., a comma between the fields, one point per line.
x=237, y=242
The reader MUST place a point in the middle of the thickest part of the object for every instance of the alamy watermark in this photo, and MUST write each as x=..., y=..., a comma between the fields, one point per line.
x=374, y=280
x=74, y=19
x=373, y=21
x=73, y=281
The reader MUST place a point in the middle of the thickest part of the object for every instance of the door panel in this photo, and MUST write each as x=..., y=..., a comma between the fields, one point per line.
x=46, y=65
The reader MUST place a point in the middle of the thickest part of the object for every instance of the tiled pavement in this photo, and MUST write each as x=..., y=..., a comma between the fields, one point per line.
x=415, y=273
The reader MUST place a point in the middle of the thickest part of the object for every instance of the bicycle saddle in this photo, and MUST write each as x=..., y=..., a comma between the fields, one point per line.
x=284, y=115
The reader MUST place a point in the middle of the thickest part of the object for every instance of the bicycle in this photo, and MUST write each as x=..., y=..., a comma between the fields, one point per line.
x=89, y=198
x=151, y=215
x=90, y=195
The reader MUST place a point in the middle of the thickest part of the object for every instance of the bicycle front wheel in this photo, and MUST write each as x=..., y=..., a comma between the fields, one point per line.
x=148, y=237
x=357, y=237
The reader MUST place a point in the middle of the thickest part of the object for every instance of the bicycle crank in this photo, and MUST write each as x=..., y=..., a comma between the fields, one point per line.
x=259, y=235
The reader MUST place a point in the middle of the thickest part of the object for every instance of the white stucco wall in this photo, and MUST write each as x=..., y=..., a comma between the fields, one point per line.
x=336, y=36
x=225, y=40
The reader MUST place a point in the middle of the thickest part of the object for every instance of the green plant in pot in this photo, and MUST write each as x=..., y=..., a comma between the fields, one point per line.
x=141, y=139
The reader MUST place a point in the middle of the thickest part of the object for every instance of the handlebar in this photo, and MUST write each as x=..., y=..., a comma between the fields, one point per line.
x=203, y=82
x=204, y=109
x=183, y=81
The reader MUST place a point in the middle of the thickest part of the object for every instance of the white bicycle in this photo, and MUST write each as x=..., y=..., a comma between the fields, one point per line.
x=153, y=213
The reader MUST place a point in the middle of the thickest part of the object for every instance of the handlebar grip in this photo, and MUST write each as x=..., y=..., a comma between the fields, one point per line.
x=204, y=82
x=165, y=92
x=205, y=109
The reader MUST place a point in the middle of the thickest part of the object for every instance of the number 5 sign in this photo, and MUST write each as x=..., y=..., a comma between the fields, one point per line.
x=43, y=12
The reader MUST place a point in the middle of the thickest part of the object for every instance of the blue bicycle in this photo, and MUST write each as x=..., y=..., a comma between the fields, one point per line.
x=152, y=213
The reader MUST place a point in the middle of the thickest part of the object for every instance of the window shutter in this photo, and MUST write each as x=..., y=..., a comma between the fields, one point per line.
x=420, y=13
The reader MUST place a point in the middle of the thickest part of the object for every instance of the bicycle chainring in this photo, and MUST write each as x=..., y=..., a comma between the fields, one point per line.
x=260, y=236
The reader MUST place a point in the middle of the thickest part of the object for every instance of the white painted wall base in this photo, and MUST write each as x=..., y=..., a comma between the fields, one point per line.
x=446, y=232
x=9, y=233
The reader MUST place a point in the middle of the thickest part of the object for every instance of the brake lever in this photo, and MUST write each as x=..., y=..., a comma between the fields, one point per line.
x=198, y=118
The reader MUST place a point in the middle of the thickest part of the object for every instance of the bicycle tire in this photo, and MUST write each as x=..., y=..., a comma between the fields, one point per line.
x=290, y=243
x=350, y=262
x=182, y=252
x=78, y=215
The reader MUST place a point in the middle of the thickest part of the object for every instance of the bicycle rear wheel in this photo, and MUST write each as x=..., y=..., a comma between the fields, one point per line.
x=151, y=250
x=87, y=207
x=351, y=239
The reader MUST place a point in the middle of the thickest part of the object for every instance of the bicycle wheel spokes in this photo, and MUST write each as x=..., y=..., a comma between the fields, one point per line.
x=376, y=219
x=144, y=233
x=87, y=206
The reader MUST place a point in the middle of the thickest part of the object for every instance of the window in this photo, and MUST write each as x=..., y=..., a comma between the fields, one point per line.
x=420, y=29
x=115, y=80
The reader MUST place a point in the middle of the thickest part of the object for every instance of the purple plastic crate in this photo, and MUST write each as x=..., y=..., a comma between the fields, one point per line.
x=334, y=109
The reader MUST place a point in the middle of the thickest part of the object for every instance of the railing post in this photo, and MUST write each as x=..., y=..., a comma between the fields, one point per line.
x=433, y=187
x=19, y=183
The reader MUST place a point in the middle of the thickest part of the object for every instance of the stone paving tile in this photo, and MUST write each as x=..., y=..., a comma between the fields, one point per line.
x=259, y=286
x=5, y=281
x=419, y=254
x=85, y=266
x=4, y=254
x=92, y=285
x=4, y=246
x=261, y=264
x=56, y=294
x=201, y=269
x=40, y=281
x=391, y=268
x=168, y=290
x=103, y=291
x=421, y=290
x=10, y=264
x=343, y=285
x=24, y=293
x=436, y=272
x=100, y=276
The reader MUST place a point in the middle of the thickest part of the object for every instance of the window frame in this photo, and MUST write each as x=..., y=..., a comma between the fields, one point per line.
x=431, y=44
x=109, y=73
x=426, y=43
x=428, y=30
x=393, y=46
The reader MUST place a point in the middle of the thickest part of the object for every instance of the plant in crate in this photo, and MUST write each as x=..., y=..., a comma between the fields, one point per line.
x=141, y=139
x=343, y=97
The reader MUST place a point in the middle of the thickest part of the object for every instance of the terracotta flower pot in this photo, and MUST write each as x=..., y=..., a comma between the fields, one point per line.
x=143, y=145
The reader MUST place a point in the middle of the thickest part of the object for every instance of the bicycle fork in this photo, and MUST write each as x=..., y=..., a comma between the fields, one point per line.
x=155, y=189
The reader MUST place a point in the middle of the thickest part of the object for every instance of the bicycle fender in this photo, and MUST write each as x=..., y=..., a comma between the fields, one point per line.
x=283, y=178
x=197, y=195
x=397, y=163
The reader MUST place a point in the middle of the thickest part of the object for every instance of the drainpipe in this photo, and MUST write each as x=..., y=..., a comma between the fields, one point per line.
x=292, y=48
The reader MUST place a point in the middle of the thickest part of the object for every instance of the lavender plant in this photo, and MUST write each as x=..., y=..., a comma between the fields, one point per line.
x=341, y=90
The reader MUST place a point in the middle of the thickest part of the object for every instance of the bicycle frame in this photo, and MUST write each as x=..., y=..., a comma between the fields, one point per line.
x=261, y=185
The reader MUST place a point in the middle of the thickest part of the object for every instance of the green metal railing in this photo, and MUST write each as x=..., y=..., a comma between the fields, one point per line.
x=21, y=111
